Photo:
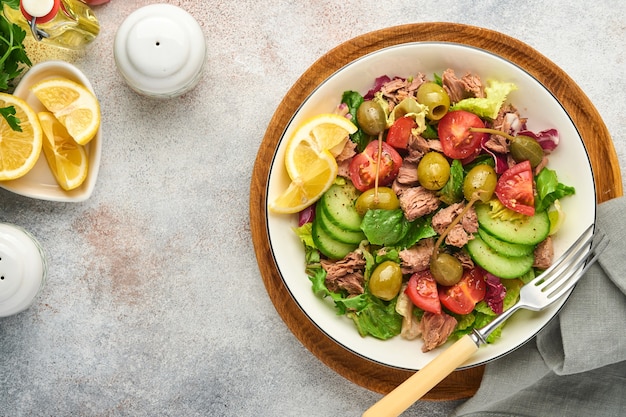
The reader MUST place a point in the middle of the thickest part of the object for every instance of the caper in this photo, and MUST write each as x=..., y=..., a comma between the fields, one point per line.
x=386, y=280
x=371, y=118
x=446, y=269
x=435, y=98
x=433, y=171
x=481, y=178
x=526, y=148
x=385, y=199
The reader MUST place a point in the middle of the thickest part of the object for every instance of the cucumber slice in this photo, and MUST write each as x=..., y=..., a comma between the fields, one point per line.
x=498, y=265
x=338, y=205
x=336, y=232
x=502, y=247
x=327, y=245
x=528, y=231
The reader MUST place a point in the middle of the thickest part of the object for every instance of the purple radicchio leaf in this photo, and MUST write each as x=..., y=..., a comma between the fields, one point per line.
x=548, y=139
x=499, y=158
x=306, y=216
x=378, y=83
x=494, y=296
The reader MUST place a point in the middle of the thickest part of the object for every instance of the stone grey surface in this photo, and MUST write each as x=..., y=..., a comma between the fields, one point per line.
x=154, y=304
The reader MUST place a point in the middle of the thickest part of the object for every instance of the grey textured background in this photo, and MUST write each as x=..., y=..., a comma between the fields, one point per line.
x=154, y=303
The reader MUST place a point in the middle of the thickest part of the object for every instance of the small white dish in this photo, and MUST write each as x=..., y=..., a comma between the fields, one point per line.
x=39, y=182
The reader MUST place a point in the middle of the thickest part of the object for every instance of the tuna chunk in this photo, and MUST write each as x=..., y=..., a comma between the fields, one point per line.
x=459, y=88
x=463, y=231
x=345, y=274
x=465, y=259
x=417, y=202
x=544, y=254
x=436, y=328
x=407, y=175
x=417, y=257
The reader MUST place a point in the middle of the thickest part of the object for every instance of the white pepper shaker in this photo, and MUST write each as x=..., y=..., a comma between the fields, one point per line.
x=160, y=50
x=22, y=269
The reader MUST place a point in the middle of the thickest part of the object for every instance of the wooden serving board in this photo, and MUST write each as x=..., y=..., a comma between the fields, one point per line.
x=376, y=377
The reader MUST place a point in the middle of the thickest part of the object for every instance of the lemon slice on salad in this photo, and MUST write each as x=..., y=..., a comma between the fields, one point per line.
x=324, y=132
x=316, y=178
x=19, y=150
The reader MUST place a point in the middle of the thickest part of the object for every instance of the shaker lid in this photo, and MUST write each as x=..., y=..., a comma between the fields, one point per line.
x=160, y=50
x=42, y=10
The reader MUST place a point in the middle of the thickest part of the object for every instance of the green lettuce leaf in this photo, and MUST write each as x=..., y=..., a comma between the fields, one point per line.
x=496, y=93
x=378, y=319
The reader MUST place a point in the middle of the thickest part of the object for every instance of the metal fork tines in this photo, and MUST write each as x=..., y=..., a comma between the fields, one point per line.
x=567, y=273
x=555, y=281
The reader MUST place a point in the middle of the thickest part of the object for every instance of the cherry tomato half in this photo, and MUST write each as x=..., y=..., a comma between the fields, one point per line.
x=363, y=166
x=400, y=131
x=461, y=298
x=515, y=188
x=456, y=139
x=422, y=290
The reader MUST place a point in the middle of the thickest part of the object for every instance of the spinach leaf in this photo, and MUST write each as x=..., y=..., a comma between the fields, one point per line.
x=385, y=227
x=452, y=192
x=550, y=189
x=353, y=100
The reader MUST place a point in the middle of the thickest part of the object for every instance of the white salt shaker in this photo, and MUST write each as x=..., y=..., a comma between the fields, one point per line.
x=22, y=269
x=160, y=51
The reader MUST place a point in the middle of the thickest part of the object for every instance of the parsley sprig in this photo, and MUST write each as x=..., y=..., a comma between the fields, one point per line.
x=13, y=59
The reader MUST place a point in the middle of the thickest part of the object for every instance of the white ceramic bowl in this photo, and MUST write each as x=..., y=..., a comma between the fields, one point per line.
x=535, y=102
x=39, y=182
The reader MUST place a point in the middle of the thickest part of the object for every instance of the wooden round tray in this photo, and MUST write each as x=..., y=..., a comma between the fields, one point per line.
x=607, y=175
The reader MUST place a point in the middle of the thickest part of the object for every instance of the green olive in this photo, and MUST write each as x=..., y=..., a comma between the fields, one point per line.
x=435, y=98
x=446, y=269
x=406, y=106
x=387, y=200
x=480, y=178
x=433, y=171
x=526, y=148
x=386, y=280
x=371, y=118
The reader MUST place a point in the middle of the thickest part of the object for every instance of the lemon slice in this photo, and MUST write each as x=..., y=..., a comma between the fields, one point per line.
x=19, y=151
x=306, y=189
x=72, y=104
x=66, y=158
x=324, y=132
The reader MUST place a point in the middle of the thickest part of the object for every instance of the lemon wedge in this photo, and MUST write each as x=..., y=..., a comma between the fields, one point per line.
x=67, y=159
x=307, y=188
x=324, y=132
x=72, y=104
x=19, y=151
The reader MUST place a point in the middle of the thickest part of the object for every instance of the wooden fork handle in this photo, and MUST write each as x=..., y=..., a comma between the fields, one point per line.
x=416, y=386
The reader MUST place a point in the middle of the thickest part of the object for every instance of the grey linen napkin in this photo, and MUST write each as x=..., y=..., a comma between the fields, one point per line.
x=576, y=366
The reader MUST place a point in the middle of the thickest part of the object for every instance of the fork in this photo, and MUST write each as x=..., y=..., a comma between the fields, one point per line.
x=538, y=294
